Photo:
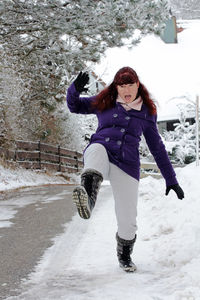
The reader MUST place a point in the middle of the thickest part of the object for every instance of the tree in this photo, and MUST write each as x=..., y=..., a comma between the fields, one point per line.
x=184, y=9
x=181, y=143
x=47, y=42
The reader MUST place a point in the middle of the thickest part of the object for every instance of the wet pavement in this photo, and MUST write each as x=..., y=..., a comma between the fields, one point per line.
x=38, y=215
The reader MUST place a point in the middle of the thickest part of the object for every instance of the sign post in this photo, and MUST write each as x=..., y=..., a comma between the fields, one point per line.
x=197, y=130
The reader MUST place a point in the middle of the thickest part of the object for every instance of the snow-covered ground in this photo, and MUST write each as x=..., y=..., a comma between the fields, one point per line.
x=11, y=178
x=82, y=263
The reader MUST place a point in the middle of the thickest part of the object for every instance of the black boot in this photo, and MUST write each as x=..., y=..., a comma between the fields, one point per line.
x=85, y=195
x=124, y=250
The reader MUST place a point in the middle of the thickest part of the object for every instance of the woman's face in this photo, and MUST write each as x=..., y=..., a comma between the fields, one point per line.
x=128, y=92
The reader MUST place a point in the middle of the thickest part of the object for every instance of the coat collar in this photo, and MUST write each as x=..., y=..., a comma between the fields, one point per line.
x=140, y=114
x=136, y=104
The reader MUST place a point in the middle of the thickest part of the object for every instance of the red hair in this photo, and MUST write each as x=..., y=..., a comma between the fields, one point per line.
x=107, y=97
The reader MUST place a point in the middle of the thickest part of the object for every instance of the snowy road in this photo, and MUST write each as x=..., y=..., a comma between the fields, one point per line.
x=31, y=218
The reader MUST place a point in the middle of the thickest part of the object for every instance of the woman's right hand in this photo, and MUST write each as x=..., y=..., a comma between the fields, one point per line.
x=80, y=82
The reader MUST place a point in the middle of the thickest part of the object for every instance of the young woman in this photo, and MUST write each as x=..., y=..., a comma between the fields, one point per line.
x=125, y=111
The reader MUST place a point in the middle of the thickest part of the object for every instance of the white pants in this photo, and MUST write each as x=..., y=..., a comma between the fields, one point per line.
x=124, y=187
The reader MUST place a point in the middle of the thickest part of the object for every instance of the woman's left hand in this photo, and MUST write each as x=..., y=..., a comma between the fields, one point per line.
x=178, y=190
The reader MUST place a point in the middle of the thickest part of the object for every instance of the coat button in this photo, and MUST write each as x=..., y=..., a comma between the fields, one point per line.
x=119, y=142
x=122, y=130
x=127, y=118
x=115, y=115
x=107, y=139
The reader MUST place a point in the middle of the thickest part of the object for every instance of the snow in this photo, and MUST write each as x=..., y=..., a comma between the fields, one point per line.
x=11, y=178
x=167, y=70
x=82, y=263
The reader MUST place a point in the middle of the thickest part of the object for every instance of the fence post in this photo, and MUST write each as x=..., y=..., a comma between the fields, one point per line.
x=59, y=159
x=76, y=161
x=16, y=150
x=39, y=148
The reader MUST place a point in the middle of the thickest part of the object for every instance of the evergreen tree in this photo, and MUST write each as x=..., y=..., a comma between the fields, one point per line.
x=184, y=9
x=46, y=43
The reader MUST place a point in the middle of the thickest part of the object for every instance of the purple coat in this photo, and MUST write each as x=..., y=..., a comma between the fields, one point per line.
x=119, y=131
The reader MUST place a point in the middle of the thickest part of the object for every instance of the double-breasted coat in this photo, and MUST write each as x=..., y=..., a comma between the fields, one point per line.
x=119, y=131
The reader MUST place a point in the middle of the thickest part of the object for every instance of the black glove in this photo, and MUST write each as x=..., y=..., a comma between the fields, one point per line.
x=178, y=190
x=80, y=82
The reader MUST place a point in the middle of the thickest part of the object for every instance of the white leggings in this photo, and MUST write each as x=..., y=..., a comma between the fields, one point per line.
x=124, y=187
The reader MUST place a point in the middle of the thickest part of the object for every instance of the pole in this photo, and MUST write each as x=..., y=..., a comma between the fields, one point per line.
x=197, y=130
x=39, y=148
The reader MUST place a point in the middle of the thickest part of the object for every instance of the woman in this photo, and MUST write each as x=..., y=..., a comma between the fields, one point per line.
x=125, y=111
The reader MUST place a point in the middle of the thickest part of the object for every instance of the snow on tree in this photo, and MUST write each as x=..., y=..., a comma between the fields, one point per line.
x=181, y=143
x=184, y=9
x=46, y=43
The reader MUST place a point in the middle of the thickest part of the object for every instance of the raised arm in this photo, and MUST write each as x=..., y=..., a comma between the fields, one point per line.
x=77, y=104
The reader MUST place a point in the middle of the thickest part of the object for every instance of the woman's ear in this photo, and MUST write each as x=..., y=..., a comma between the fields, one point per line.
x=138, y=84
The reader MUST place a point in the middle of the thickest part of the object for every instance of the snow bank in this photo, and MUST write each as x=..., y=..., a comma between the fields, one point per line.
x=14, y=178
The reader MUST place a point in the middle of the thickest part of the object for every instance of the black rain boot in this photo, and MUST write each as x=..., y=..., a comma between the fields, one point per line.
x=124, y=250
x=85, y=195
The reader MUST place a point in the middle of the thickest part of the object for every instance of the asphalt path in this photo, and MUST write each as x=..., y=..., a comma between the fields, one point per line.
x=36, y=222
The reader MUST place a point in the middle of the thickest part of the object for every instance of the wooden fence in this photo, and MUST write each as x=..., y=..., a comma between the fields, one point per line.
x=151, y=168
x=37, y=155
x=148, y=168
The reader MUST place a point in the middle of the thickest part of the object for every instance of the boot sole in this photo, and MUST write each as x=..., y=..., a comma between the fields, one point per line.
x=80, y=199
x=129, y=269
